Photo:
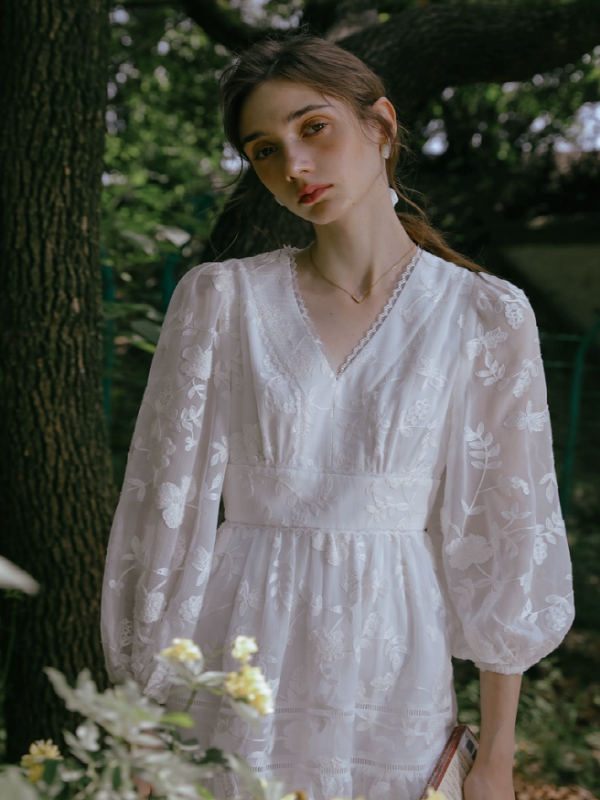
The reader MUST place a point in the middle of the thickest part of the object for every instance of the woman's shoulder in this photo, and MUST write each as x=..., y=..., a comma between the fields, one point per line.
x=488, y=293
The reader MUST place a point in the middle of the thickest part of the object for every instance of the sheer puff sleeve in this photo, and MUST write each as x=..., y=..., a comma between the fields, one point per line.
x=504, y=552
x=162, y=537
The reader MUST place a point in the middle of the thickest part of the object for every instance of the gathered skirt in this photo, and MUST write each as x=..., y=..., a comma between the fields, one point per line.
x=352, y=637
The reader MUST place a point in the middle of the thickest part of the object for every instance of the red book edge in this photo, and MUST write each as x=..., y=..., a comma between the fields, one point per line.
x=444, y=760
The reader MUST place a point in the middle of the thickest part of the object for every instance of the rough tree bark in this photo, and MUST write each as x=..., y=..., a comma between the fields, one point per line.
x=56, y=489
x=417, y=52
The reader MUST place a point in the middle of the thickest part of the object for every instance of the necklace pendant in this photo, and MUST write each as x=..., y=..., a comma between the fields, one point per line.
x=358, y=298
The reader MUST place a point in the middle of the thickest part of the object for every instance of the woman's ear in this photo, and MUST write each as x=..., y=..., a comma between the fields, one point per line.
x=384, y=107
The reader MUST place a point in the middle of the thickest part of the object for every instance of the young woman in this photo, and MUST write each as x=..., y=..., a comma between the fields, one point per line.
x=373, y=409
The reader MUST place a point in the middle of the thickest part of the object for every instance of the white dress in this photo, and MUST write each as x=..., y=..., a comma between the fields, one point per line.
x=378, y=521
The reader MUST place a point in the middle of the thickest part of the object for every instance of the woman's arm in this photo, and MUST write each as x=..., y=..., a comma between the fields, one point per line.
x=491, y=776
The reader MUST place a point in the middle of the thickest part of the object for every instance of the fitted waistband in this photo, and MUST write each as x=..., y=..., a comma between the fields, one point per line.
x=303, y=498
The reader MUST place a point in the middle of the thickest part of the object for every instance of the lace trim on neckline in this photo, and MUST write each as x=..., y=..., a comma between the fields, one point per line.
x=291, y=255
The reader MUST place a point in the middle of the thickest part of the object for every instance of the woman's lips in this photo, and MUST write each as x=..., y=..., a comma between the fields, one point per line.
x=310, y=198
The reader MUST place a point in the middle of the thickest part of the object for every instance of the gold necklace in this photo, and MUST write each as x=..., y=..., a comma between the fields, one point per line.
x=358, y=298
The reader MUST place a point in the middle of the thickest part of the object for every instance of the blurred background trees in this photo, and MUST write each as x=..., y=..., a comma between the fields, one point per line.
x=501, y=104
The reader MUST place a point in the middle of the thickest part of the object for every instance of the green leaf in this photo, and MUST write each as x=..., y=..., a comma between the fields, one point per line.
x=149, y=330
x=50, y=767
x=213, y=756
x=146, y=346
x=203, y=792
x=179, y=718
x=116, y=778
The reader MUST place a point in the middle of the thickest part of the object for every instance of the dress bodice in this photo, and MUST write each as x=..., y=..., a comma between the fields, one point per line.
x=438, y=421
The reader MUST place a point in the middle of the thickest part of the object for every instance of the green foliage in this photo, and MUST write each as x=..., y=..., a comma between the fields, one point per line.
x=500, y=150
x=163, y=184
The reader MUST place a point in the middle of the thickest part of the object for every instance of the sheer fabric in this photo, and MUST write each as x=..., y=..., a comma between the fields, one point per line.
x=378, y=520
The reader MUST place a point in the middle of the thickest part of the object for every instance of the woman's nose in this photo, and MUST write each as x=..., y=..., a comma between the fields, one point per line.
x=297, y=162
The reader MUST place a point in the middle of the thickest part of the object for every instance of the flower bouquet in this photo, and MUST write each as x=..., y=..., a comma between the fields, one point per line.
x=127, y=738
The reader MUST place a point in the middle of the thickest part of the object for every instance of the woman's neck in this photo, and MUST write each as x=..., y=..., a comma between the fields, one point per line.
x=357, y=250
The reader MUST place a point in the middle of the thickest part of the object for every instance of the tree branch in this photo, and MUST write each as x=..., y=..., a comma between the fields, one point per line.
x=222, y=25
x=422, y=50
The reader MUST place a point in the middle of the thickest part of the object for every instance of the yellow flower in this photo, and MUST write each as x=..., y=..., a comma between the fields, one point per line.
x=249, y=683
x=432, y=794
x=182, y=650
x=243, y=647
x=39, y=752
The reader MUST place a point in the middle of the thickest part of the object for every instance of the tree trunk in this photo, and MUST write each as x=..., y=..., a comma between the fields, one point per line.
x=56, y=488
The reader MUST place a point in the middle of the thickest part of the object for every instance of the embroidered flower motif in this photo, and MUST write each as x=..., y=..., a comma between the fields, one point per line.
x=533, y=421
x=556, y=616
x=171, y=499
x=514, y=315
x=524, y=379
x=410, y=419
x=489, y=341
x=380, y=791
x=201, y=560
x=433, y=376
x=333, y=545
x=507, y=484
x=556, y=524
x=125, y=632
x=299, y=680
x=540, y=550
x=472, y=549
x=246, y=447
x=159, y=452
x=301, y=364
x=372, y=625
x=248, y=598
x=148, y=605
x=352, y=585
x=199, y=362
x=326, y=645
x=190, y=608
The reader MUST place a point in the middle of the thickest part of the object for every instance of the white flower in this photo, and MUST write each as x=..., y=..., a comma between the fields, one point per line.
x=470, y=550
x=243, y=648
x=199, y=362
x=182, y=651
x=250, y=684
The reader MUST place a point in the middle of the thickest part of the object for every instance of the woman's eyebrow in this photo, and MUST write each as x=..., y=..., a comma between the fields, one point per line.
x=289, y=118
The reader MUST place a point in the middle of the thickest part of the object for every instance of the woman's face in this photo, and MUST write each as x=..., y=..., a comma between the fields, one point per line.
x=295, y=138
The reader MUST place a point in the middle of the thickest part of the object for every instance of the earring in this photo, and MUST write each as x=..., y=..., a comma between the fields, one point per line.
x=394, y=196
x=278, y=200
x=385, y=150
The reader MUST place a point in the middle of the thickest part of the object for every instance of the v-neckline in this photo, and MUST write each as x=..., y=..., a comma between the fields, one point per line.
x=375, y=326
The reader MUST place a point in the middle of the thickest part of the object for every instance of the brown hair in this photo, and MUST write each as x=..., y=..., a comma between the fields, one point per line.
x=330, y=70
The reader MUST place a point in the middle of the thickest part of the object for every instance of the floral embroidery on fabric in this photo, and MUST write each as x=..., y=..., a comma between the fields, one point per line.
x=377, y=521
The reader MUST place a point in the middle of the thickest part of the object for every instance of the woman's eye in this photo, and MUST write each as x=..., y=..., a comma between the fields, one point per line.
x=318, y=123
x=259, y=157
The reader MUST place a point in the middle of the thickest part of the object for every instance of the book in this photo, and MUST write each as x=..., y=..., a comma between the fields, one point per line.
x=454, y=764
